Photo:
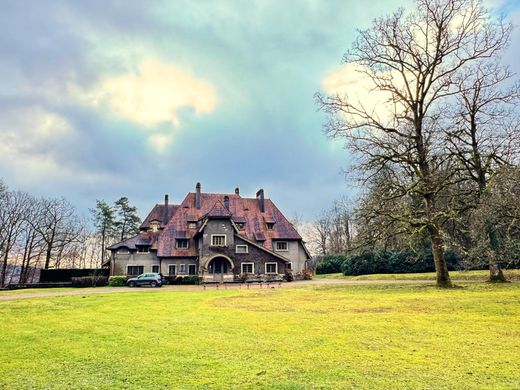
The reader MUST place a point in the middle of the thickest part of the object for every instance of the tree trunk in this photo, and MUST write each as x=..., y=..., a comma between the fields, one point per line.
x=441, y=268
x=495, y=271
x=3, y=273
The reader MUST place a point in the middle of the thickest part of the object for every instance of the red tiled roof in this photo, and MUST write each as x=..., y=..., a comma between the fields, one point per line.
x=240, y=209
x=157, y=214
x=142, y=239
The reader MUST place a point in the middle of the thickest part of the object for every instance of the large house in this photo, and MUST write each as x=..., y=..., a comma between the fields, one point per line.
x=220, y=237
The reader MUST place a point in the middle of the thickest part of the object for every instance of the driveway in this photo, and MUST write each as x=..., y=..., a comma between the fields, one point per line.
x=110, y=290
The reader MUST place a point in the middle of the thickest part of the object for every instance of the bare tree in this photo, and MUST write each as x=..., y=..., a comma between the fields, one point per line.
x=411, y=62
x=486, y=135
x=58, y=225
x=32, y=247
x=323, y=227
x=13, y=212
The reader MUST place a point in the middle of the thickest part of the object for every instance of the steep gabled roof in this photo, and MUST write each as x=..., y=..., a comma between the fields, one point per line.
x=241, y=210
x=157, y=214
x=142, y=239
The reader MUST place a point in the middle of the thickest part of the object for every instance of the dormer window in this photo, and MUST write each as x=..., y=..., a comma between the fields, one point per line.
x=192, y=225
x=181, y=243
x=143, y=249
x=240, y=225
x=269, y=225
x=154, y=226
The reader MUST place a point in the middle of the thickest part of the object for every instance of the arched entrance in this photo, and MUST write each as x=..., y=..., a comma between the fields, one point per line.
x=219, y=266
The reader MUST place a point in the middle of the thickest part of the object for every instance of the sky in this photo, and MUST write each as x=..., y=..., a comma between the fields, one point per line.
x=103, y=99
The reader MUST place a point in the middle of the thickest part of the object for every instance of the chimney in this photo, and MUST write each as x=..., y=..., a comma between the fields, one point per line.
x=197, y=196
x=237, y=191
x=226, y=202
x=261, y=202
x=165, y=215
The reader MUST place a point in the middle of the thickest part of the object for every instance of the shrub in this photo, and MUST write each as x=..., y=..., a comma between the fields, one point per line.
x=288, y=277
x=330, y=264
x=400, y=261
x=191, y=279
x=117, y=281
x=172, y=279
x=89, y=281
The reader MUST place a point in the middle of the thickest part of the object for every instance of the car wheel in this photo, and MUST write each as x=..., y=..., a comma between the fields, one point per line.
x=153, y=284
x=131, y=284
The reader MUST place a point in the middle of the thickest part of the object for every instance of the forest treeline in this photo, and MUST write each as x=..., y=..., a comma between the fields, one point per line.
x=50, y=233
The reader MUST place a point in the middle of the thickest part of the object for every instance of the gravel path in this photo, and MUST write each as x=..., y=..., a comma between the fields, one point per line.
x=110, y=290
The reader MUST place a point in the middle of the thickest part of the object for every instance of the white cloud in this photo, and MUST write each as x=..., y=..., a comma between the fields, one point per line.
x=28, y=148
x=349, y=81
x=153, y=94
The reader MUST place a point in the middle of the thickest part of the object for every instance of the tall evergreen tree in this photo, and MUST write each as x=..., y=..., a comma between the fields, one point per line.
x=105, y=223
x=127, y=219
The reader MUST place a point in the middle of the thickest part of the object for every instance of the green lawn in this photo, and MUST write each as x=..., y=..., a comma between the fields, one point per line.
x=328, y=336
x=513, y=274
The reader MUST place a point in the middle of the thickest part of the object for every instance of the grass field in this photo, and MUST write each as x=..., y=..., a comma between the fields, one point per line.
x=328, y=336
x=513, y=274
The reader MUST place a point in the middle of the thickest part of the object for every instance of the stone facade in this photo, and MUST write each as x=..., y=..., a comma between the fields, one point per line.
x=220, y=237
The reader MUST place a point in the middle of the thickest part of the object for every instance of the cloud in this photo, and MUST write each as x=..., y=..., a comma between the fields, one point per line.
x=350, y=82
x=152, y=95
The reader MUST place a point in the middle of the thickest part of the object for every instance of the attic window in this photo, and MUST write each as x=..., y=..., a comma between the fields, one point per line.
x=154, y=225
x=240, y=225
x=192, y=225
x=182, y=243
x=269, y=225
x=281, y=246
x=143, y=249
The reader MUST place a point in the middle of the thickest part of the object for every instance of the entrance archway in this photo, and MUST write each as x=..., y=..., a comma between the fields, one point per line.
x=219, y=266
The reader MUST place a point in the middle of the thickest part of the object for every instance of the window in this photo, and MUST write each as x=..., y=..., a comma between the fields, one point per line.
x=192, y=225
x=218, y=239
x=134, y=270
x=248, y=268
x=242, y=249
x=123, y=251
x=182, y=268
x=289, y=266
x=281, y=246
x=172, y=269
x=155, y=226
x=156, y=268
x=192, y=269
x=271, y=268
x=143, y=249
x=270, y=225
x=240, y=225
x=182, y=243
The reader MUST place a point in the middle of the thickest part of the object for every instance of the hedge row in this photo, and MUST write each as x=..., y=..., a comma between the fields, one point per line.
x=89, y=281
x=385, y=262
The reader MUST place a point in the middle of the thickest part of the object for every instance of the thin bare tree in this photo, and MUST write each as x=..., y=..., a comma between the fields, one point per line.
x=13, y=214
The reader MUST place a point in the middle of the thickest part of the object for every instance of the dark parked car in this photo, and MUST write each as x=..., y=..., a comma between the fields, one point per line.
x=151, y=279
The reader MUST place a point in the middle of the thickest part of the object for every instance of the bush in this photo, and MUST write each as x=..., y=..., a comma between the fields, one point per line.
x=191, y=279
x=117, y=281
x=89, y=281
x=288, y=277
x=330, y=264
x=172, y=279
x=395, y=262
